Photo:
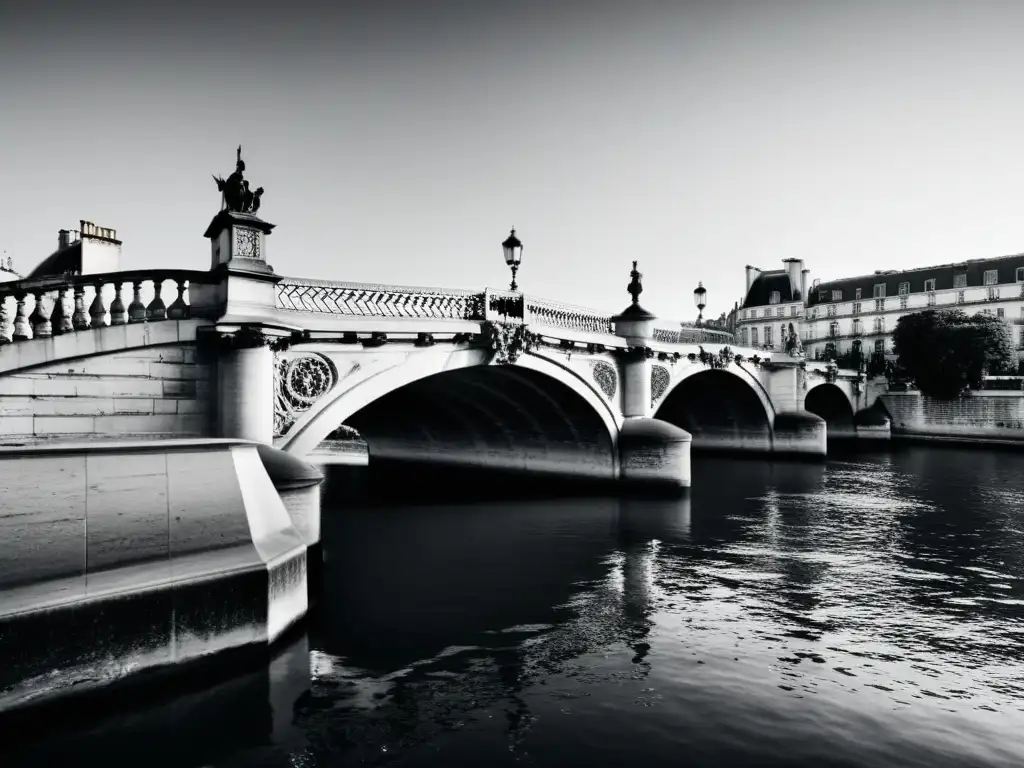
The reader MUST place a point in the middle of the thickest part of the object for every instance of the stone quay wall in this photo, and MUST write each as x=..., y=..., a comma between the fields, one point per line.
x=986, y=415
x=129, y=556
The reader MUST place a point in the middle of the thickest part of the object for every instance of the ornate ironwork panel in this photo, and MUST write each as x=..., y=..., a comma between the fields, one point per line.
x=298, y=383
x=247, y=243
x=660, y=379
x=606, y=377
x=378, y=300
x=554, y=314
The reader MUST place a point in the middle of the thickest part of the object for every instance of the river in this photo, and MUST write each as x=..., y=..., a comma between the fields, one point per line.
x=862, y=612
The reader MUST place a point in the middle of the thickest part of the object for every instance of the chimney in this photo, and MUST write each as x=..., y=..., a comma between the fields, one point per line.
x=793, y=269
x=101, y=250
x=752, y=273
x=63, y=239
x=805, y=275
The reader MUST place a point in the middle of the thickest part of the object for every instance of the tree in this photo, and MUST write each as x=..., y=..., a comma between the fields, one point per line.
x=946, y=352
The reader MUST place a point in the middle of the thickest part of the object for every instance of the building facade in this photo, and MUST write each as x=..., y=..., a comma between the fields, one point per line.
x=835, y=318
x=862, y=312
x=773, y=306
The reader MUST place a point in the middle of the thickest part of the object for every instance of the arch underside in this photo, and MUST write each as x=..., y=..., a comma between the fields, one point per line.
x=503, y=418
x=720, y=411
x=830, y=403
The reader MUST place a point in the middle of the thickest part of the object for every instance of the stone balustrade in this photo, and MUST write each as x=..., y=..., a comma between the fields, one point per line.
x=684, y=334
x=45, y=307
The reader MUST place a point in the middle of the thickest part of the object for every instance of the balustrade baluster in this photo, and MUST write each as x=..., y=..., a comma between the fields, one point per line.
x=97, y=311
x=79, y=320
x=156, y=309
x=137, y=310
x=60, y=321
x=41, y=328
x=118, y=314
x=5, y=335
x=179, y=309
x=22, y=329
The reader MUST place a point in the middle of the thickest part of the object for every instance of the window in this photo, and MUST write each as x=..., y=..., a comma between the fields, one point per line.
x=879, y=346
x=959, y=297
x=1020, y=338
x=858, y=328
x=774, y=297
x=767, y=335
x=792, y=311
x=821, y=295
x=879, y=305
x=856, y=307
x=960, y=281
x=1000, y=312
x=993, y=293
x=931, y=299
x=780, y=311
x=879, y=325
x=837, y=295
x=1020, y=274
x=856, y=293
x=833, y=328
x=753, y=337
x=904, y=289
x=831, y=310
x=766, y=313
x=903, y=302
x=929, y=285
x=879, y=291
x=745, y=337
x=991, y=276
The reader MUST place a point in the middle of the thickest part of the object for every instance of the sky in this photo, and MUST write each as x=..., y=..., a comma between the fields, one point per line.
x=398, y=141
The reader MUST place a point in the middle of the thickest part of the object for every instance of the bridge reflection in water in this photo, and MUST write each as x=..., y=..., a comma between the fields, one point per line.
x=861, y=612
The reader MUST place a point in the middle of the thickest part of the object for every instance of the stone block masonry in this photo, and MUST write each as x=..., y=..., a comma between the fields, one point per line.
x=984, y=415
x=160, y=391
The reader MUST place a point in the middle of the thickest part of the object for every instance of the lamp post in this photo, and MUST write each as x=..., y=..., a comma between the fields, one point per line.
x=513, y=255
x=699, y=298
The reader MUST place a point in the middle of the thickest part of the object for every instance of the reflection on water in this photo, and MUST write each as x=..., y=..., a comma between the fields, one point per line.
x=866, y=612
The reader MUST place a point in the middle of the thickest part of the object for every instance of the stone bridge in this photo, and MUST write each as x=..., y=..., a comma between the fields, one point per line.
x=489, y=378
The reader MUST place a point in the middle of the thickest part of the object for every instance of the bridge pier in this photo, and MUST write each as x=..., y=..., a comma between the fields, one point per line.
x=245, y=390
x=654, y=454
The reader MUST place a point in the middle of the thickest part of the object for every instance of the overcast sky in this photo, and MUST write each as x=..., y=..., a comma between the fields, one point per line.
x=398, y=141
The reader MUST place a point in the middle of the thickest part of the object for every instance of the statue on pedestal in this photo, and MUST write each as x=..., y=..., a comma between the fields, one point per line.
x=793, y=345
x=235, y=193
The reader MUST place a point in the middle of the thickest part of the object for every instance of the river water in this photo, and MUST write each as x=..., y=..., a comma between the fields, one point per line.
x=863, y=612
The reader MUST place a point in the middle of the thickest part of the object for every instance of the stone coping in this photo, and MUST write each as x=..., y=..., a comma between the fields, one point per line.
x=114, y=444
x=130, y=579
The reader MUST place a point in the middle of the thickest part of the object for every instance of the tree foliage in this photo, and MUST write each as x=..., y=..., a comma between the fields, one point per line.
x=946, y=352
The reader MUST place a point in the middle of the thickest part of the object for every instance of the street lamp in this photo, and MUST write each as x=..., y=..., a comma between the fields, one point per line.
x=699, y=296
x=513, y=255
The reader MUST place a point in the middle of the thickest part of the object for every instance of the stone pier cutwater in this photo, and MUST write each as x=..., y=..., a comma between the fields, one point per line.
x=158, y=452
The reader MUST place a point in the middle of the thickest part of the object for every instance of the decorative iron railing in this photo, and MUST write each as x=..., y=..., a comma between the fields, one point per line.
x=692, y=335
x=51, y=306
x=368, y=300
x=573, y=318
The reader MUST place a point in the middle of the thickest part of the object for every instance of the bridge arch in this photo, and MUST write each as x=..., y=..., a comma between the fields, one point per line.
x=723, y=409
x=452, y=407
x=830, y=403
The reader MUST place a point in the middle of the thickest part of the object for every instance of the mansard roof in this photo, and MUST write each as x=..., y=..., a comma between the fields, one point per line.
x=760, y=291
x=1006, y=266
x=61, y=262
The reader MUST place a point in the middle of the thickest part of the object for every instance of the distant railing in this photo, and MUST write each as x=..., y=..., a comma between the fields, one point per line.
x=692, y=335
x=573, y=318
x=41, y=308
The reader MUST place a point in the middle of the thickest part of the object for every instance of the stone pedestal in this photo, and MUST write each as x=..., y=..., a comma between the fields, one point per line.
x=245, y=393
x=654, y=454
x=238, y=241
x=636, y=383
x=800, y=433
